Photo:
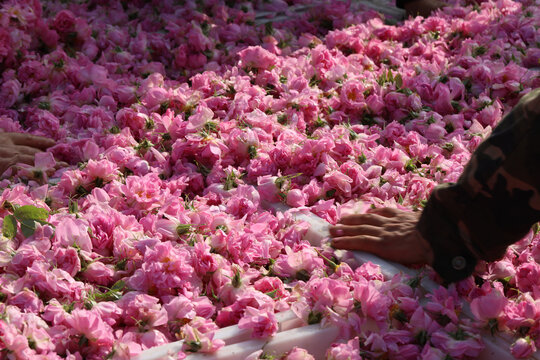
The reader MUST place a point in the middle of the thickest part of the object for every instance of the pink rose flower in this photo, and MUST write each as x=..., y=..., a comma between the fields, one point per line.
x=298, y=354
x=98, y=273
x=64, y=21
x=89, y=324
x=257, y=57
x=296, y=198
x=68, y=260
x=522, y=348
x=489, y=306
x=262, y=323
x=9, y=93
x=336, y=180
x=70, y=232
x=346, y=351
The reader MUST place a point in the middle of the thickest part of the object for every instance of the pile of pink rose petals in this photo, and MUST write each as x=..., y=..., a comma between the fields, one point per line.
x=178, y=119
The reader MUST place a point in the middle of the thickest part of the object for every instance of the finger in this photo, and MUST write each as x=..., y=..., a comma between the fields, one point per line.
x=4, y=165
x=57, y=166
x=355, y=230
x=31, y=140
x=61, y=164
x=7, y=152
x=366, y=243
x=368, y=219
x=22, y=158
x=386, y=212
x=26, y=150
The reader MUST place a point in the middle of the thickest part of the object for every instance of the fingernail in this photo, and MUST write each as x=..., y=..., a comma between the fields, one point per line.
x=339, y=232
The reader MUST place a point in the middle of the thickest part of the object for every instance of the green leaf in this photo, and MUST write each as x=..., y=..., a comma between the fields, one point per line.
x=314, y=317
x=390, y=76
x=422, y=337
x=30, y=212
x=398, y=80
x=382, y=78
x=73, y=207
x=118, y=286
x=193, y=346
x=9, y=227
x=183, y=229
x=28, y=226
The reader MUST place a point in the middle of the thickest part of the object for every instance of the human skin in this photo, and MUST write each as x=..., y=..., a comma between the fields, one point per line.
x=386, y=232
x=20, y=148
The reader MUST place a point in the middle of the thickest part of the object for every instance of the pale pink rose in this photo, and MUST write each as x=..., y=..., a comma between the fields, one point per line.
x=98, y=273
x=296, y=198
x=197, y=121
x=68, y=260
x=312, y=191
x=245, y=201
x=44, y=160
x=143, y=191
x=100, y=172
x=154, y=97
x=13, y=341
x=9, y=125
x=295, y=263
x=267, y=188
x=528, y=276
x=272, y=285
x=28, y=301
x=346, y=351
x=48, y=124
x=489, y=306
x=197, y=341
x=375, y=104
x=257, y=57
x=180, y=308
x=139, y=307
x=262, y=324
x=352, y=95
x=322, y=59
x=73, y=232
x=442, y=99
x=338, y=181
x=374, y=304
x=90, y=324
x=298, y=354
x=490, y=115
x=523, y=348
x=25, y=256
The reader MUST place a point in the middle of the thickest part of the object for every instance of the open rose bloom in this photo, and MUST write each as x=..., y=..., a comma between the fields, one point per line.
x=175, y=125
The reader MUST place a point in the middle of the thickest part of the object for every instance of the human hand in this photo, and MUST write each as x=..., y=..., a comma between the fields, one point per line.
x=388, y=233
x=20, y=148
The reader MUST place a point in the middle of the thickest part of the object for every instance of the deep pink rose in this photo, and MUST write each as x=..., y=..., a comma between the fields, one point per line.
x=64, y=21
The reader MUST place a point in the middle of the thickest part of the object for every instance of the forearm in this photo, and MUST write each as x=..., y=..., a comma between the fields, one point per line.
x=496, y=200
x=401, y=3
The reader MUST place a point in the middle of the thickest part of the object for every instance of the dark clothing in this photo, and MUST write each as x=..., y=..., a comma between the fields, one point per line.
x=495, y=201
x=401, y=3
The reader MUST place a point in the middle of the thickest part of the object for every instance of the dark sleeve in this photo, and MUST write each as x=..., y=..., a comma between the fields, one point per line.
x=401, y=3
x=495, y=201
